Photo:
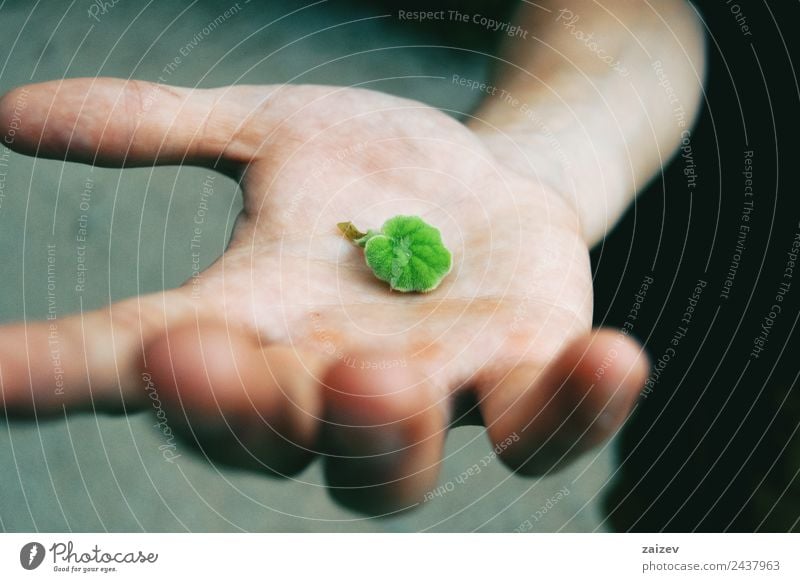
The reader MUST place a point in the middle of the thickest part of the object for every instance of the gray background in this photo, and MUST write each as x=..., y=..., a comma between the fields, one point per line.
x=87, y=473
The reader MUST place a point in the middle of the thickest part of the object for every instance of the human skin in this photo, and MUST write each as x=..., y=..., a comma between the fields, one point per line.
x=288, y=348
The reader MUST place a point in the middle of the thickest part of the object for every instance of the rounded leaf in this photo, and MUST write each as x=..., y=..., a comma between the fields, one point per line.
x=408, y=254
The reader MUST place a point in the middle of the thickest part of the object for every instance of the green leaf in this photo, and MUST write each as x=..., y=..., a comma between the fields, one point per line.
x=407, y=253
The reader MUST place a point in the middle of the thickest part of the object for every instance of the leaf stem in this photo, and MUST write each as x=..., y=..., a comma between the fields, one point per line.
x=350, y=232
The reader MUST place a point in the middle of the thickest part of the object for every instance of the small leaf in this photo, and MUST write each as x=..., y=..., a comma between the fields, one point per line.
x=407, y=253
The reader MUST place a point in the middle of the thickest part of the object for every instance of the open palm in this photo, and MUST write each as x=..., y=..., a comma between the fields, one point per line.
x=288, y=346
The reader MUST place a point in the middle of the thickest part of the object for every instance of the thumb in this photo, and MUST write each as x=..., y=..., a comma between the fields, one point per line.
x=115, y=122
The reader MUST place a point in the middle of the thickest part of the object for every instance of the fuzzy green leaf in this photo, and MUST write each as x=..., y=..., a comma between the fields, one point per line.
x=407, y=253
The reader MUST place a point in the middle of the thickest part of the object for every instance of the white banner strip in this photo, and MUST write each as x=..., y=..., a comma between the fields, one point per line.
x=400, y=557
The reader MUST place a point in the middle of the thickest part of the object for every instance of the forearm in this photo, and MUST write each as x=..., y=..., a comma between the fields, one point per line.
x=594, y=98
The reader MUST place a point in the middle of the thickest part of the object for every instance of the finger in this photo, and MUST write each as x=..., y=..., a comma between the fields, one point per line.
x=111, y=122
x=540, y=419
x=85, y=361
x=243, y=405
x=384, y=435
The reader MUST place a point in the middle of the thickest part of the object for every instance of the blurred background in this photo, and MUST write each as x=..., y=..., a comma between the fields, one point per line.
x=712, y=446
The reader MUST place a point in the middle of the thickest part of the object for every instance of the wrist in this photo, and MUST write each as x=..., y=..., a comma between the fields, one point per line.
x=561, y=156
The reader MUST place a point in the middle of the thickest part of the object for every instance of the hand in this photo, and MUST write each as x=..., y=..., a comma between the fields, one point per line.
x=288, y=346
